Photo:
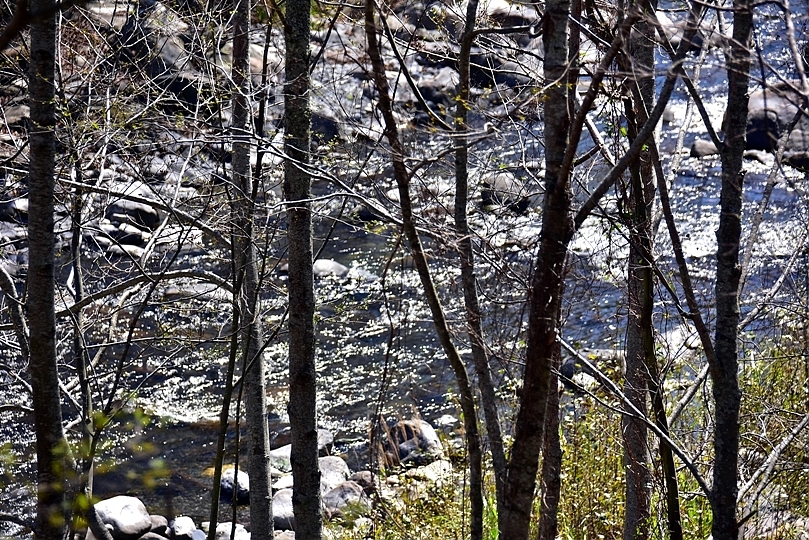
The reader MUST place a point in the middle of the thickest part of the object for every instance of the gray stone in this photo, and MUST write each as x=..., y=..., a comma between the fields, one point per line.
x=329, y=267
x=140, y=214
x=770, y=111
x=282, y=436
x=345, y=494
x=799, y=160
x=16, y=114
x=411, y=441
x=182, y=528
x=283, y=517
x=136, y=252
x=14, y=211
x=280, y=458
x=126, y=517
x=333, y=472
x=284, y=482
x=160, y=525
x=501, y=188
x=223, y=531
x=366, y=480
x=242, y=486
x=702, y=148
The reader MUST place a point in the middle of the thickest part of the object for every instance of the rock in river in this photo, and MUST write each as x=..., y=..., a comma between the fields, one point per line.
x=227, y=483
x=125, y=517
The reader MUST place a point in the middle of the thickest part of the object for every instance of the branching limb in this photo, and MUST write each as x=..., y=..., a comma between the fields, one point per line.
x=15, y=309
x=764, y=473
x=631, y=409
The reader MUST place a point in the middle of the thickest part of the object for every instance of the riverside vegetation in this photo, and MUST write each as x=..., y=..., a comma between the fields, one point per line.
x=494, y=228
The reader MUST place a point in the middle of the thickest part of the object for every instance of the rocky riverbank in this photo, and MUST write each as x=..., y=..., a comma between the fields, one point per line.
x=410, y=453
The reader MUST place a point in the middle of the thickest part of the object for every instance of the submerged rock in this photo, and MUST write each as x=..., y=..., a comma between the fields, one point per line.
x=241, y=483
x=702, y=148
x=329, y=267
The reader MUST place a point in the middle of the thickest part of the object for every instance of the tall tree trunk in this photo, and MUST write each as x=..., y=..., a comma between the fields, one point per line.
x=551, y=475
x=639, y=334
x=471, y=302
x=725, y=377
x=251, y=334
x=297, y=186
x=51, y=445
x=468, y=410
x=546, y=284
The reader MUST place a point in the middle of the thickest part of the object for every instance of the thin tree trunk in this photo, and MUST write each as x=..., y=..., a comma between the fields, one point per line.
x=726, y=392
x=640, y=290
x=470, y=422
x=297, y=186
x=546, y=284
x=51, y=446
x=551, y=475
x=468, y=277
x=251, y=333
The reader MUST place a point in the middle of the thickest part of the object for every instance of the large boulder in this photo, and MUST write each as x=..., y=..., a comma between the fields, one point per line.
x=142, y=215
x=282, y=436
x=346, y=494
x=413, y=442
x=281, y=458
x=502, y=188
x=333, y=472
x=282, y=515
x=770, y=111
x=125, y=517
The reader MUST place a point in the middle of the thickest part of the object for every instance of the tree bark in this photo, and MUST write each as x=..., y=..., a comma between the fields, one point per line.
x=297, y=186
x=551, y=475
x=725, y=378
x=470, y=421
x=640, y=289
x=51, y=446
x=250, y=330
x=546, y=284
x=466, y=253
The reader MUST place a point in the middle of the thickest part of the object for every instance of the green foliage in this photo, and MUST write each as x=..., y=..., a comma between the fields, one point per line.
x=418, y=511
x=775, y=390
x=695, y=510
x=592, y=497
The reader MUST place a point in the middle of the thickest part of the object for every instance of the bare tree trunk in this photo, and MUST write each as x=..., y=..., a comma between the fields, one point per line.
x=297, y=186
x=51, y=446
x=725, y=377
x=258, y=453
x=469, y=279
x=639, y=332
x=470, y=422
x=546, y=284
x=551, y=475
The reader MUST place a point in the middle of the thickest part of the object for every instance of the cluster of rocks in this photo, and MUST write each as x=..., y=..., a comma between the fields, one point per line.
x=344, y=494
x=118, y=223
x=771, y=111
x=126, y=518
